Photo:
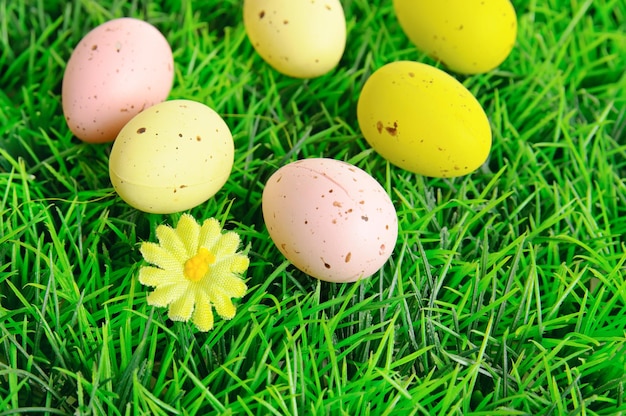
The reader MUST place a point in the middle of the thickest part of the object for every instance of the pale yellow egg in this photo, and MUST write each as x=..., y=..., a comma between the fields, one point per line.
x=171, y=157
x=299, y=38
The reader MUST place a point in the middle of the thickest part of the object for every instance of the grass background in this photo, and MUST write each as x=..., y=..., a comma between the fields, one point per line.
x=505, y=294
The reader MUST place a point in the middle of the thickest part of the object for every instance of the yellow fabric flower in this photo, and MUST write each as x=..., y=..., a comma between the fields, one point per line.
x=197, y=267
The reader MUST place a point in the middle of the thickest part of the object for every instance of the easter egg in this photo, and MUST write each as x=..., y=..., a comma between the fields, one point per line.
x=467, y=36
x=423, y=120
x=116, y=70
x=171, y=157
x=330, y=219
x=299, y=38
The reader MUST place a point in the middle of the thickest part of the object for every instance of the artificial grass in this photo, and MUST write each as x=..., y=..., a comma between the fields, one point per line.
x=505, y=293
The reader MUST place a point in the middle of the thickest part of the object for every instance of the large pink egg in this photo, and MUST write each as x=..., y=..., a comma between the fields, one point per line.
x=118, y=69
x=331, y=219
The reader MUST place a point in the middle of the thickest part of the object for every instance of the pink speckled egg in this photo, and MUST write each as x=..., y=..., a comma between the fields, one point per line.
x=331, y=219
x=118, y=69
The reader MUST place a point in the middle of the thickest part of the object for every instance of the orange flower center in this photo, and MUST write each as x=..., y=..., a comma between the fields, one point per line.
x=197, y=266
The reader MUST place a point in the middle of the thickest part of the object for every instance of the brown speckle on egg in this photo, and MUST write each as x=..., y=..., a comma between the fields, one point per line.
x=392, y=130
x=141, y=130
x=348, y=257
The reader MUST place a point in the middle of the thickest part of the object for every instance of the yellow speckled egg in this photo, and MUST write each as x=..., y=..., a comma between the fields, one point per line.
x=171, y=157
x=468, y=36
x=299, y=38
x=423, y=120
x=331, y=219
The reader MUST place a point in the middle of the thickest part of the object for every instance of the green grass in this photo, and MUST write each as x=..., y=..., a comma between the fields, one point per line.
x=506, y=292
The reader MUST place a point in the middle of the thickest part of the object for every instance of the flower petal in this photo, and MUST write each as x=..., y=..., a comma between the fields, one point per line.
x=239, y=263
x=188, y=231
x=210, y=233
x=153, y=276
x=223, y=305
x=157, y=255
x=229, y=285
x=170, y=241
x=227, y=245
x=181, y=308
x=203, y=315
x=164, y=295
